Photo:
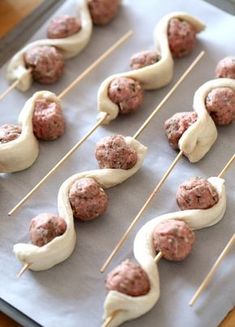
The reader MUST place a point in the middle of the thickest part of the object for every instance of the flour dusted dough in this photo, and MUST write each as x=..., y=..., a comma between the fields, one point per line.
x=69, y=47
x=21, y=153
x=200, y=136
x=133, y=307
x=151, y=77
x=61, y=247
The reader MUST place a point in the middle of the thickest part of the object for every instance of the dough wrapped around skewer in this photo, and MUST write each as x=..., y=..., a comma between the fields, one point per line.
x=60, y=248
x=69, y=47
x=123, y=307
x=153, y=76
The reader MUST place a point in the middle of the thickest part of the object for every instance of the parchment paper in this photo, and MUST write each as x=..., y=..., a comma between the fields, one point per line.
x=72, y=293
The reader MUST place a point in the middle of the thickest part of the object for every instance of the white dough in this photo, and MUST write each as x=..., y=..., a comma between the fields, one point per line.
x=69, y=47
x=151, y=77
x=133, y=307
x=61, y=247
x=200, y=136
x=21, y=153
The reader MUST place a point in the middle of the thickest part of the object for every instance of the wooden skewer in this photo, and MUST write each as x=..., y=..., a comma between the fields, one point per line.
x=158, y=257
x=226, y=167
x=65, y=157
x=180, y=80
x=137, y=217
x=84, y=73
x=212, y=271
x=96, y=63
x=23, y=269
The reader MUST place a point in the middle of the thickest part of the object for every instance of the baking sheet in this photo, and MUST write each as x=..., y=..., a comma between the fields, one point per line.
x=72, y=293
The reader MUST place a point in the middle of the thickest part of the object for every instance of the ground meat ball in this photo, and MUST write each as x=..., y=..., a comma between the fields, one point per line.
x=226, y=68
x=196, y=193
x=9, y=132
x=128, y=278
x=48, y=120
x=220, y=103
x=144, y=58
x=45, y=227
x=181, y=37
x=174, y=238
x=176, y=125
x=103, y=11
x=114, y=152
x=126, y=93
x=63, y=26
x=88, y=200
x=46, y=62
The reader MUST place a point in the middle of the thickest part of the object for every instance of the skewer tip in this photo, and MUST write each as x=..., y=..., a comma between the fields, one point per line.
x=22, y=270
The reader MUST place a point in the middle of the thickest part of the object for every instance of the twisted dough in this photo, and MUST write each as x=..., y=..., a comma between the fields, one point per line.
x=200, y=136
x=21, y=153
x=69, y=47
x=151, y=77
x=128, y=307
x=61, y=247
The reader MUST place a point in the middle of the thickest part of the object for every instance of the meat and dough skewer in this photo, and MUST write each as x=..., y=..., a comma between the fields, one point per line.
x=149, y=77
x=119, y=307
x=61, y=247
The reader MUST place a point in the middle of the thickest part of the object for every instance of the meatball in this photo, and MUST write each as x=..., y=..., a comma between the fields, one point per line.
x=144, y=58
x=114, y=152
x=196, y=193
x=88, y=200
x=226, y=68
x=103, y=11
x=127, y=93
x=174, y=239
x=9, y=132
x=46, y=63
x=63, y=26
x=128, y=278
x=181, y=37
x=220, y=103
x=45, y=227
x=176, y=125
x=48, y=120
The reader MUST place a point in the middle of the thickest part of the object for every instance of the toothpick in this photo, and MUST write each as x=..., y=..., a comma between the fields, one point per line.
x=180, y=80
x=9, y=89
x=109, y=319
x=65, y=157
x=96, y=63
x=158, y=257
x=224, y=170
x=23, y=269
x=212, y=271
x=135, y=220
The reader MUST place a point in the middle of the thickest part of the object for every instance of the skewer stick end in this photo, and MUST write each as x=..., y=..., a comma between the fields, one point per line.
x=22, y=270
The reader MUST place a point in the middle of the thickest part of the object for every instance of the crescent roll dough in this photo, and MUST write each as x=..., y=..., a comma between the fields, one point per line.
x=21, y=153
x=151, y=77
x=128, y=307
x=69, y=47
x=61, y=247
x=200, y=136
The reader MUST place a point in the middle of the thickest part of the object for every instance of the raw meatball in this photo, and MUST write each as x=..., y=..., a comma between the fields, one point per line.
x=88, y=200
x=181, y=37
x=220, y=103
x=103, y=11
x=196, y=193
x=48, y=120
x=9, y=132
x=226, y=68
x=126, y=93
x=114, y=152
x=144, y=58
x=45, y=227
x=128, y=278
x=176, y=125
x=174, y=238
x=63, y=26
x=46, y=62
